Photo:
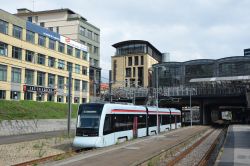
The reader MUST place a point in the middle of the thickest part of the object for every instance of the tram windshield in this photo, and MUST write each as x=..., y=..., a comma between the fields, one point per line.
x=89, y=116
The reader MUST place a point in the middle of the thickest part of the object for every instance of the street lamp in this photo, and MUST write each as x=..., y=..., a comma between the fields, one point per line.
x=190, y=105
x=157, y=98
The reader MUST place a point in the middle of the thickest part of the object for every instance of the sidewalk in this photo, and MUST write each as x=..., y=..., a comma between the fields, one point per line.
x=236, y=150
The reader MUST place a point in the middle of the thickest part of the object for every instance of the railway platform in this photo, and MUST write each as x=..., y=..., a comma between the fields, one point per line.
x=236, y=150
x=132, y=152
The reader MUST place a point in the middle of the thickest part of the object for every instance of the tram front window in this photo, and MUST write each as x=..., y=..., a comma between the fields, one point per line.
x=89, y=119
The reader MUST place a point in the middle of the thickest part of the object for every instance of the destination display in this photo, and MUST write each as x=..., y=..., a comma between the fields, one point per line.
x=31, y=88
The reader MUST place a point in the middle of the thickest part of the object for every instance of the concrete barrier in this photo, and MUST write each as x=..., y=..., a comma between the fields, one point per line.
x=17, y=127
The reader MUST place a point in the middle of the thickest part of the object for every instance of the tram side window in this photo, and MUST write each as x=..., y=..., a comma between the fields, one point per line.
x=172, y=118
x=130, y=119
x=107, y=129
x=165, y=119
x=141, y=121
x=151, y=120
x=120, y=122
x=178, y=118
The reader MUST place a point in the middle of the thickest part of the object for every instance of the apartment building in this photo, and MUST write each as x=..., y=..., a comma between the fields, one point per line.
x=70, y=24
x=35, y=63
x=132, y=63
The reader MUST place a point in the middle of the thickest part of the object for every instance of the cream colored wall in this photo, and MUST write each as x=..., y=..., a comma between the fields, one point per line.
x=149, y=61
x=11, y=62
x=120, y=71
x=122, y=65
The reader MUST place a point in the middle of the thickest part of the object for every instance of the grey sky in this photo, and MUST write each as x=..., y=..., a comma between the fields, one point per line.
x=188, y=29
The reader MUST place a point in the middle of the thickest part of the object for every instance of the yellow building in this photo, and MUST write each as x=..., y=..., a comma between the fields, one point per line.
x=132, y=63
x=35, y=63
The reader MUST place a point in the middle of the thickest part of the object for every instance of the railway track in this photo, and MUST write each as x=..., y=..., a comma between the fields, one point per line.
x=202, y=152
x=196, y=133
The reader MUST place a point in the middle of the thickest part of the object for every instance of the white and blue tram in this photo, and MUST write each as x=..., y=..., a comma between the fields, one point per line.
x=100, y=125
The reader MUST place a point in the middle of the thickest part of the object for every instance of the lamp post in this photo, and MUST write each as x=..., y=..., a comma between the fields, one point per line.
x=157, y=110
x=190, y=105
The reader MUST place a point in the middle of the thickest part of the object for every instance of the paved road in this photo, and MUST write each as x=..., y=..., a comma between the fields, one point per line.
x=30, y=137
x=237, y=146
x=132, y=152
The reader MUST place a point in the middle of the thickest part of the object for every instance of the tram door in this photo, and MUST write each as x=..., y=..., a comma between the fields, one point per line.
x=135, y=127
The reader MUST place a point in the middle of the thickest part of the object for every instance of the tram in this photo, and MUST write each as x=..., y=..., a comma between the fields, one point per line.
x=100, y=125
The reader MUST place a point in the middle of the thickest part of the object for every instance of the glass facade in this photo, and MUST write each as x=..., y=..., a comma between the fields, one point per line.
x=180, y=73
x=17, y=32
x=41, y=40
x=3, y=27
x=30, y=36
x=29, y=77
x=3, y=72
x=3, y=49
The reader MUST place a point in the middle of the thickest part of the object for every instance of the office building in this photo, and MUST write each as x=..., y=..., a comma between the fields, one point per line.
x=132, y=63
x=35, y=63
x=70, y=24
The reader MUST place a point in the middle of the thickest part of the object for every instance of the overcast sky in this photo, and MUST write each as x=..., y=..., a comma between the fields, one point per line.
x=188, y=29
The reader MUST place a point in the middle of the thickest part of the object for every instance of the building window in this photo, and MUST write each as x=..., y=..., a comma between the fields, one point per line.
x=95, y=62
x=50, y=28
x=41, y=59
x=16, y=52
x=41, y=40
x=29, y=77
x=28, y=96
x=95, y=50
x=61, y=64
x=82, y=31
x=3, y=49
x=89, y=34
x=77, y=69
x=42, y=24
x=84, y=100
x=30, y=36
x=96, y=37
x=60, y=99
x=57, y=29
x=134, y=70
x=69, y=66
x=136, y=60
x=3, y=73
x=17, y=32
x=69, y=50
x=115, y=68
x=90, y=48
x=29, y=56
x=76, y=99
x=84, y=55
x=129, y=61
x=15, y=75
x=78, y=53
x=84, y=70
x=60, y=82
x=41, y=78
x=128, y=72
x=51, y=97
x=3, y=27
x=2, y=94
x=36, y=19
x=51, y=62
x=52, y=44
x=77, y=85
x=84, y=86
x=15, y=95
x=51, y=80
x=40, y=97
x=142, y=60
x=61, y=47
x=29, y=19
x=82, y=42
